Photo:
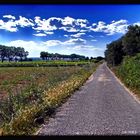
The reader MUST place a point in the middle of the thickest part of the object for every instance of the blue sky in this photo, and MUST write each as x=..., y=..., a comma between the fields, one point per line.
x=65, y=29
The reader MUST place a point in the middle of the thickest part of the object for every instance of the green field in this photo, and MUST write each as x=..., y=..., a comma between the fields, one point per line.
x=24, y=79
x=26, y=92
x=50, y=63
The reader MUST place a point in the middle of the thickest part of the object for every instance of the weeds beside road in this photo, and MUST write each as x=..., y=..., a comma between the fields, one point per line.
x=47, y=89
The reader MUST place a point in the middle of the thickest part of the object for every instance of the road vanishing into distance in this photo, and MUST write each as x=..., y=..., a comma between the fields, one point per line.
x=101, y=107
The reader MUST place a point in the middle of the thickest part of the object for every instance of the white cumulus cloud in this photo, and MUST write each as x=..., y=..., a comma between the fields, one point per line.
x=32, y=47
x=86, y=47
x=112, y=28
x=50, y=43
x=66, y=35
x=48, y=26
x=9, y=26
x=67, y=21
x=9, y=16
x=74, y=41
x=44, y=24
x=69, y=29
x=87, y=50
x=40, y=34
x=24, y=22
x=67, y=24
x=82, y=22
x=78, y=34
x=64, y=43
x=49, y=33
x=137, y=23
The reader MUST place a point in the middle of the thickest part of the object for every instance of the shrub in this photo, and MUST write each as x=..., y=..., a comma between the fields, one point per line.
x=129, y=72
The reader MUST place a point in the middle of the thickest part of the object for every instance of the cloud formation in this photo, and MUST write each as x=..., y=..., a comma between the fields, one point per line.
x=39, y=34
x=9, y=26
x=67, y=24
x=12, y=24
x=24, y=22
x=137, y=23
x=9, y=16
x=34, y=48
x=76, y=41
x=112, y=28
x=78, y=35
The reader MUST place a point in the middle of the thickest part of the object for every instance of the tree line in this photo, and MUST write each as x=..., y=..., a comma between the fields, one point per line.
x=19, y=54
x=56, y=56
x=12, y=53
x=127, y=45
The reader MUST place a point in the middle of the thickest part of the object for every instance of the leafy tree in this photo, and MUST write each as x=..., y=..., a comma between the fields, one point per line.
x=43, y=55
x=87, y=58
x=114, y=53
x=21, y=53
x=2, y=52
x=99, y=58
x=129, y=44
x=91, y=58
x=12, y=53
x=131, y=40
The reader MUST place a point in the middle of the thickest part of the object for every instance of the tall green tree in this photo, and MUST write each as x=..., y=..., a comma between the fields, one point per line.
x=2, y=52
x=12, y=53
x=131, y=40
x=128, y=44
x=114, y=53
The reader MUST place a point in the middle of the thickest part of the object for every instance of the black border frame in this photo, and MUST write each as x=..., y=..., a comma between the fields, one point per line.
x=67, y=2
x=70, y=2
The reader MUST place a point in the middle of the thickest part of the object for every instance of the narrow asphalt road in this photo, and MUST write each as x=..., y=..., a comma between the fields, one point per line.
x=101, y=107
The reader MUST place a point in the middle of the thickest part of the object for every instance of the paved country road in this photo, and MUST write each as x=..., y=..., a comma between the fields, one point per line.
x=101, y=107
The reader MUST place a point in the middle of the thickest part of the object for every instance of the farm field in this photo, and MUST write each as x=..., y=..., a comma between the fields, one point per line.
x=22, y=89
x=49, y=63
x=25, y=79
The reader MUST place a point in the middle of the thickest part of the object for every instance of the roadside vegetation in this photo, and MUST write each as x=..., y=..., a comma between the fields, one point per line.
x=123, y=57
x=129, y=73
x=29, y=94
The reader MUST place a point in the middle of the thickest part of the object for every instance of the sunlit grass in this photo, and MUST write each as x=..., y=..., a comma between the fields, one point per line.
x=43, y=88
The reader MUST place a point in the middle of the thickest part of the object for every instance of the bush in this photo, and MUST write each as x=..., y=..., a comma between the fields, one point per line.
x=129, y=72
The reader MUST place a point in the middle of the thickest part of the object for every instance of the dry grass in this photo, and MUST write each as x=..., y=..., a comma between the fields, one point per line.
x=22, y=121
